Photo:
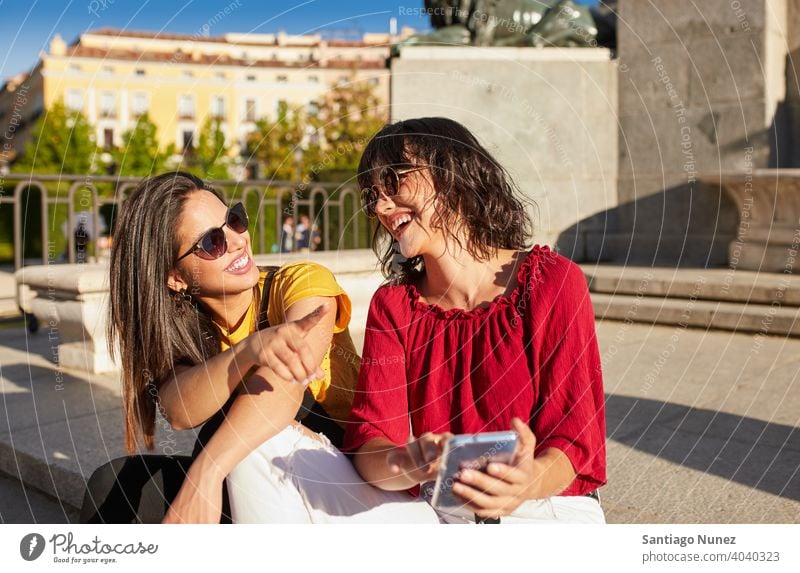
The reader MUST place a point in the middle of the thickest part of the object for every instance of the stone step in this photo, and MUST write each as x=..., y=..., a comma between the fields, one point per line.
x=766, y=319
x=725, y=285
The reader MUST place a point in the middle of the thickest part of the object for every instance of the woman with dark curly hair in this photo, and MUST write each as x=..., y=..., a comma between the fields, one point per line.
x=475, y=332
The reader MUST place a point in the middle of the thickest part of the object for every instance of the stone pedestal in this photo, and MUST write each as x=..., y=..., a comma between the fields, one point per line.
x=71, y=304
x=702, y=89
x=768, y=201
x=548, y=116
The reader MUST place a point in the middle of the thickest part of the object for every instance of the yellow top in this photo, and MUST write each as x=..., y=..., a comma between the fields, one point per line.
x=294, y=282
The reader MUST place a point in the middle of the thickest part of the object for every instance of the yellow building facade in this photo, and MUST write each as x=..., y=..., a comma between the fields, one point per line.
x=114, y=76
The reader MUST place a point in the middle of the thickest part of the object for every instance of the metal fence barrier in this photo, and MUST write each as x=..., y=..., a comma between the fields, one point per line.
x=333, y=207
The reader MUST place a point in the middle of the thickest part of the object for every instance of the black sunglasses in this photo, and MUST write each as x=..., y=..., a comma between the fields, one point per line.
x=213, y=244
x=389, y=178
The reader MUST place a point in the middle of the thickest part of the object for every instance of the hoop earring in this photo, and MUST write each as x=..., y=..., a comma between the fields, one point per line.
x=182, y=300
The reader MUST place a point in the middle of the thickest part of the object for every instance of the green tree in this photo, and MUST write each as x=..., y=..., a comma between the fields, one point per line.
x=140, y=155
x=340, y=126
x=209, y=159
x=348, y=116
x=274, y=144
x=62, y=141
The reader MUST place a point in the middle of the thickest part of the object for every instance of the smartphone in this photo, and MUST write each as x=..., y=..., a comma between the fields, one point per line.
x=469, y=451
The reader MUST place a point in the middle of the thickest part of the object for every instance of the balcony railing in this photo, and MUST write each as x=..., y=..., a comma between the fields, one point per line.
x=333, y=207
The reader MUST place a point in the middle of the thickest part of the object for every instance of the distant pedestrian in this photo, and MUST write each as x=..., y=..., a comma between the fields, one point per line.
x=287, y=234
x=82, y=239
x=302, y=234
x=81, y=227
x=315, y=238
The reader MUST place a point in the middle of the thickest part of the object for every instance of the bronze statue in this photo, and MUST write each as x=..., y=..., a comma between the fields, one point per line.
x=559, y=23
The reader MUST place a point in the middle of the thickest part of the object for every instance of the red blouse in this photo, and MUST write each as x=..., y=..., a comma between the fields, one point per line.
x=532, y=354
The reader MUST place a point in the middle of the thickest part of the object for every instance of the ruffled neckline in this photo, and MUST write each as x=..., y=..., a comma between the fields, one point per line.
x=528, y=273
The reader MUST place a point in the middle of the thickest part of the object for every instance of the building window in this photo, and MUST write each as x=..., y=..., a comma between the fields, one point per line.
x=140, y=72
x=249, y=110
x=282, y=79
x=186, y=107
x=75, y=100
x=75, y=67
x=188, y=139
x=140, y=104
x=107, y=71
x=342, y=80
x=187, y=74
x=219, y=75
x=218, y=107
x=373, y=81
x=108, y=105
x=108, y=138
x=313, y=79
x=251, y=78
x=312, y=109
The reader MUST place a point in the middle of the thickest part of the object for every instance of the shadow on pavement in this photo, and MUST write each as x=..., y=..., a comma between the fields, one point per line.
x=758, y=454
x=43, y=343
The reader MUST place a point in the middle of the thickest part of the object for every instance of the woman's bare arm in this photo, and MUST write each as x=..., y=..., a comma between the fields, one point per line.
x=266, y=406
x=195, y=393
x=268, y=403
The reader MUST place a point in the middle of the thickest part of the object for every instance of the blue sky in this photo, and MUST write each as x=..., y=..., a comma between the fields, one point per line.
x=26, y=26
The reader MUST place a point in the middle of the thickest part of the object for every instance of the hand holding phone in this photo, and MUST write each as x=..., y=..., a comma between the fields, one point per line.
x=504, y=486
x=419, y=458
x=470, y=451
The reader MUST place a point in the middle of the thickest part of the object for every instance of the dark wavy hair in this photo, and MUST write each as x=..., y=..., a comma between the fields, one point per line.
x=475, y=196
x=155, y=329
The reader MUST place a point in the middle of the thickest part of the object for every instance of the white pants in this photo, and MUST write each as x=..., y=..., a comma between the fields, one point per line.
x=556, y=509
x=294, y=478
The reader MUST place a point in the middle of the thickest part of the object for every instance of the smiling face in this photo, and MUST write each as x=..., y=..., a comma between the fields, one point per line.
x=233, y=273
x=476, y=202
x=407, y=216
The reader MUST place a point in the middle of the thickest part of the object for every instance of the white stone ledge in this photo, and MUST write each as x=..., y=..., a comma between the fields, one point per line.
x=338, y=262
x=65, y=280
x=72, y=300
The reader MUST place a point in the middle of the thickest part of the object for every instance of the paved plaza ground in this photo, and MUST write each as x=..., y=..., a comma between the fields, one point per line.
x=702, y=426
